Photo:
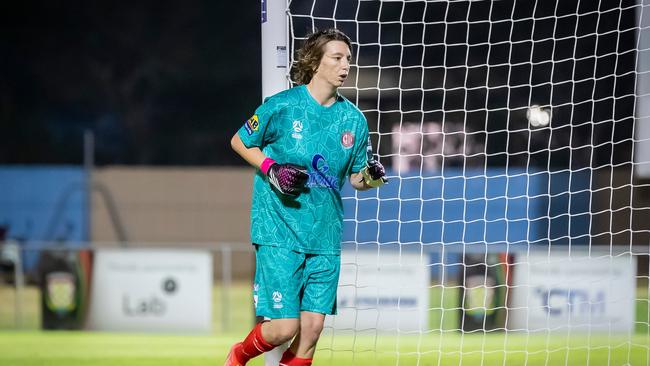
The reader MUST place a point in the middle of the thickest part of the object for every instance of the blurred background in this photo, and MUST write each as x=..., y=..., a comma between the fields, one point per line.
x=158, y=82
x=115, y=126
x=115, y=122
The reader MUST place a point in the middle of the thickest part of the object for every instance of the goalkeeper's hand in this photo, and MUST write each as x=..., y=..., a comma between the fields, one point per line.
x=374, y=174
x=288, y=179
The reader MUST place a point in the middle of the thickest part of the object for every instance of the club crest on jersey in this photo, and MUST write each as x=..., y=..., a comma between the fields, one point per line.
x=252, y=125
x=347, y=139
x=297, y=130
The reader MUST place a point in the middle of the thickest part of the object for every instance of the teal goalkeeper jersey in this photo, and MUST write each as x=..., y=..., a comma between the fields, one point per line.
x=331, y=142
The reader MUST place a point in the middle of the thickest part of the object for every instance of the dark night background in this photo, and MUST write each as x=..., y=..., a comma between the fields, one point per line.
x=159, y=82
x=169, y=82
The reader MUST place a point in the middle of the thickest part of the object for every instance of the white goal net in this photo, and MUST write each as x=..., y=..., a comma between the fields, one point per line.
x=515, y=226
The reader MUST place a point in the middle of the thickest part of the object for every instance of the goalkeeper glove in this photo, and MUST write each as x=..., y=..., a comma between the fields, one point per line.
x=288, y=179
x=374, y=174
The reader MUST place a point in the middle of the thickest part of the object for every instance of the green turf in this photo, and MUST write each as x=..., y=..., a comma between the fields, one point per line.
x=104, y=349
x=32, y=347
x=36, y=348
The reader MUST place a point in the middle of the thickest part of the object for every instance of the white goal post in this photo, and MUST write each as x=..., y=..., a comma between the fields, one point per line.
x=275, y=78
x=516, y=225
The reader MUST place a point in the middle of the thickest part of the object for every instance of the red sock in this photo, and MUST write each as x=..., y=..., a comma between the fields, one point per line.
x=254, y=345
x=289, y=359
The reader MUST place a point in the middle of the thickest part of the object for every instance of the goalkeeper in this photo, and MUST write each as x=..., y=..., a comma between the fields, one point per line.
x=305, y=141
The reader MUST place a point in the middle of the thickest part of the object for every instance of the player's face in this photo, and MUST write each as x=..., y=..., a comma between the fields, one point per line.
x=335, y=63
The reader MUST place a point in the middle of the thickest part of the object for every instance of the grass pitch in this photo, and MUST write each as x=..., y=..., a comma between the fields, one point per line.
x=446, y=347
x=35, y=348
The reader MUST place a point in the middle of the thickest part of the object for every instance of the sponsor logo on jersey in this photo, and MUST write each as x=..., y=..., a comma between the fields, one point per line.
x=297, y=130
x=252, y=125
x=318, y=177
x=347, y=139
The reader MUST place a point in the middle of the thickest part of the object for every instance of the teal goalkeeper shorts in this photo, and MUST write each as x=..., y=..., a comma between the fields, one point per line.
x=288, y=282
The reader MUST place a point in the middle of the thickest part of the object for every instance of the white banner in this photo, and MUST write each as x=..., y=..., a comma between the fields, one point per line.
x=150, y=290
x=384, y=290
x=559, y=291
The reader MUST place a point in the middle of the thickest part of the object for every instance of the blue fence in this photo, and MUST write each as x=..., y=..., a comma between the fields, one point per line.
x=497, y=206
x=471, y=207
x=470, y=210
x=43, y=204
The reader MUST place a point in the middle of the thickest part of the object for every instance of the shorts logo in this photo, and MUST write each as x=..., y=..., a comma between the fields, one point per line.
x=347, y=139
x=252, y=125
x=277, y=299
x=297, y=130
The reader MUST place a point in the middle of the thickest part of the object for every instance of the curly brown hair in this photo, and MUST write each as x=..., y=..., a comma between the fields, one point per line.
x=311, y=52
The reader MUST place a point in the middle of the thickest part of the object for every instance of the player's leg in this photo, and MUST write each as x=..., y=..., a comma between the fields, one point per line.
x=302, y=349
x=279, y=331
x=265, y=336
x=276, y=295
x=319, y=298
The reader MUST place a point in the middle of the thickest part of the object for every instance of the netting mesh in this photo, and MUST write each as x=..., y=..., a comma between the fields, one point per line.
x=509, y=218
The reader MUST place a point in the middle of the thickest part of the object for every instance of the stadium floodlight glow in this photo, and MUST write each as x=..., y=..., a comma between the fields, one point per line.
x=538, y=116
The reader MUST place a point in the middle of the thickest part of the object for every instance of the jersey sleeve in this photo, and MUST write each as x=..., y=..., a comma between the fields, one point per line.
x=257, y=131
x=361, y=146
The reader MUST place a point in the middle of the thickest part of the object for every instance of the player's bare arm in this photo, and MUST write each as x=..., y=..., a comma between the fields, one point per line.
x=254, y=156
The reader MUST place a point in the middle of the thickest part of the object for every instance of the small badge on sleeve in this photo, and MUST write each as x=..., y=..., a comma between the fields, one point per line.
x=252, y=125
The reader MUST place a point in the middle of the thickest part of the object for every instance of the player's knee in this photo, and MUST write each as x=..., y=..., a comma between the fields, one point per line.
x=311, y=328
x=283, y=332
x=286, y=334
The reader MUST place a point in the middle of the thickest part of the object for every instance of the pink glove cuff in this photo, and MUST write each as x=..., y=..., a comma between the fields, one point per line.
x=266, y=165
